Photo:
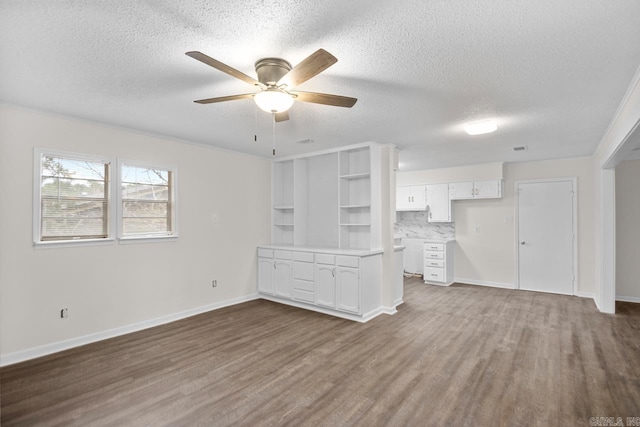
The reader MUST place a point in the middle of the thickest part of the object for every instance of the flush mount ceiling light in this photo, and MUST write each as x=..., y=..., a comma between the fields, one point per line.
x=479, y=128
x=273, y=100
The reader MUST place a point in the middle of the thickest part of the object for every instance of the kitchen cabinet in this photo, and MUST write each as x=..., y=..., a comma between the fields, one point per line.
x=411, y=198
x=347, y=289
x=326, y=285
x=265, y=271
x=438, y=262
x=483, y=189
x=438, y=203
x=343, y=283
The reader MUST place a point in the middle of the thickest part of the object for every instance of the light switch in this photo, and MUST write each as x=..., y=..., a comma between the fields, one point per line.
x=214, y=218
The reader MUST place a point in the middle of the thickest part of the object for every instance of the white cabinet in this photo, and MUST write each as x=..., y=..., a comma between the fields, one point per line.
x=265, y=274
x=329, y=282
x=485, y=189
x=326, y=285
x=411, y=198
x=438, y=262
x=348, y=289
x=438, y=203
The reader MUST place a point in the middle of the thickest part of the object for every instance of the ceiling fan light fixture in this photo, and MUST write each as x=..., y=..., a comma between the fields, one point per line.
x=482, y=127
x=273, y=101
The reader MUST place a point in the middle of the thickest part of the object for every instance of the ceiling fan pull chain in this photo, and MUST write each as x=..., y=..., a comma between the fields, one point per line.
x=274, y=133
x=255, y=123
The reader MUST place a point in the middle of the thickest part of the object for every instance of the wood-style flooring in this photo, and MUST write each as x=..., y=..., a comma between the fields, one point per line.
x=456, y=356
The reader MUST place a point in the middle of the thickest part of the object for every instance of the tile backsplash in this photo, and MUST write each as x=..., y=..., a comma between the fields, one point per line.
x=415, y=224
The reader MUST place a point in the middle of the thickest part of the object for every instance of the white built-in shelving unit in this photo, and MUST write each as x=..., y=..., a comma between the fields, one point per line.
x=327, y=199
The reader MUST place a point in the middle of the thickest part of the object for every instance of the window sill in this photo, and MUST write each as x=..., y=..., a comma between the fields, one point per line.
x=72, y=243
x=145, y=239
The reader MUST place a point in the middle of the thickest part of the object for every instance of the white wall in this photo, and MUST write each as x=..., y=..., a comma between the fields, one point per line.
x=628, y=231
x=112, y=286
x=488, y=256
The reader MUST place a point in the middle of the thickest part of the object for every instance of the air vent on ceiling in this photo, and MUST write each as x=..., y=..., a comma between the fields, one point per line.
x=304, y=141
x=520, y=148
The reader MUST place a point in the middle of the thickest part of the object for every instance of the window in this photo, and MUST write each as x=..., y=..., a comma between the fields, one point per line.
x=146, y=206
x=71, y=197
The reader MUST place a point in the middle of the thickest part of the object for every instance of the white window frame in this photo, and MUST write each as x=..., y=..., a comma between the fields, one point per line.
x=123, y=239
x=37, y=198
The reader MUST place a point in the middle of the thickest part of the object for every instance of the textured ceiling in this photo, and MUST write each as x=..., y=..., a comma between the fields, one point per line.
x=550, y=72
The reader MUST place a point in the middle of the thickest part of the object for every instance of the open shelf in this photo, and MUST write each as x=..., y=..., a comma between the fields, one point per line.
x=355, y=225
x=283, y=207
x=355, y=207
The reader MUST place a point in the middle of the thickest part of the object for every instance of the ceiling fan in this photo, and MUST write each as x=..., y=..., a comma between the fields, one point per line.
x=276, y=78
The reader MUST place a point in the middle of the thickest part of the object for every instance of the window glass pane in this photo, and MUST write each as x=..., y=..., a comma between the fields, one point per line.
x=69, y=168
x=134, y=174
x=144, y=209
x=73, y=203
x=70, y=228
x=145, y=192
x=64, y=208
x=144, y=226
x=69, y=187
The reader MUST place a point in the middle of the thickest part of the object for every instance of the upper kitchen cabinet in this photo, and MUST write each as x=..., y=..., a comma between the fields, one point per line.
x=485, y=189
x=438, y=203
x=411, y=198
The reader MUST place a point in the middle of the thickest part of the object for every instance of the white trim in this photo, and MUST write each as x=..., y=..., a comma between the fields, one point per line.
x=586, y=295
x=574, y=184
x=627, y=299
x=43, y=350
x=145, y=238
x=330, y=151
x=485, y=283
x=38, y=152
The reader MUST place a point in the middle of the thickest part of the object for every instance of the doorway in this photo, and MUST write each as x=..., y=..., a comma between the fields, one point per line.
x=546, y=235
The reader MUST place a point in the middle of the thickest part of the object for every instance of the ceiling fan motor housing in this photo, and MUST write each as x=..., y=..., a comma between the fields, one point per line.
x=271, y=70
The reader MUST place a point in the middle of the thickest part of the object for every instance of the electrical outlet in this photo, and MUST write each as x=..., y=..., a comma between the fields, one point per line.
x=214, y=283
x=64, y=313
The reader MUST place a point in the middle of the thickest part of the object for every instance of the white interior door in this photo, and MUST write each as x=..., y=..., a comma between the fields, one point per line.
x=546, y=221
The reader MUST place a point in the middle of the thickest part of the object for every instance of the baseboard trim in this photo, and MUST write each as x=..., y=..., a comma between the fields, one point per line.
x=485, y=283
x=44, y=350
x=585, y=295
x=627, y=299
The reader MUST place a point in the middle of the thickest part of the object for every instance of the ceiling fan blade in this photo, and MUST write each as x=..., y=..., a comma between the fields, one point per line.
x=311, y=66
x=224, y=98
x=281, y=117
x=324, y=98
x=224, y=68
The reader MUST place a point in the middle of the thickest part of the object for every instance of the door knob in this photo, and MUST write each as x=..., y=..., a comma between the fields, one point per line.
x=522, y=243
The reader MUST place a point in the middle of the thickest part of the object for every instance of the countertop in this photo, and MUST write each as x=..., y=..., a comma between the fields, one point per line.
x=332, y=251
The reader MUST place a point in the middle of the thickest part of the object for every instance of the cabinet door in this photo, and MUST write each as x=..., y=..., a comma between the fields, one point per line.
x=325, y=285
x=265, y=275
x=488, y=189
x=403, y=198
x=461, y=190
x=348, y=289
x=418, y=196
x=282, y=278
x=438, y=202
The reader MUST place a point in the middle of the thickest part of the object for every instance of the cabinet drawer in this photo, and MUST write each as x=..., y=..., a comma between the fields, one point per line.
x=433, y=247
x=265, y=253
x=303, y=256
x=433, y=263
x=348, y=261
x=433, y=255
x=434, y=274
x=282, y=254
x=304, y=285
x=325, y=259
x=303, y=270
x=302, y=295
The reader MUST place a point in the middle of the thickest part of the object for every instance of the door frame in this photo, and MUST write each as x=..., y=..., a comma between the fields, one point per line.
x=574, y=184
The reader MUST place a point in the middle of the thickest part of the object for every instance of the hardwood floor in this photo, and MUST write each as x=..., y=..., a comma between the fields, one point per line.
x=462, y=355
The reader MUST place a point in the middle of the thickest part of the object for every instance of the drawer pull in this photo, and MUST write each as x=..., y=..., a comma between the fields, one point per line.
x=434, y=263
x=433, y=274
